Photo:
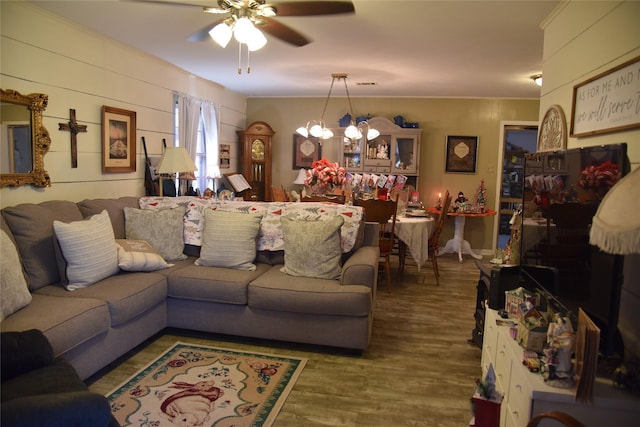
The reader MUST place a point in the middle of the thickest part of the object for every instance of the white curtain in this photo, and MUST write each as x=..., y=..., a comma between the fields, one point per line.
x=210, y=124
x=188, y=122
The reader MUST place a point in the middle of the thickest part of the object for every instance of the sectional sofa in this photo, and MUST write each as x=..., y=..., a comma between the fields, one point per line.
x=301, y=284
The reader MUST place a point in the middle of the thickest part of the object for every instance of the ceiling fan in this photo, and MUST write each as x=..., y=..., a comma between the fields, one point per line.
x=261, y=14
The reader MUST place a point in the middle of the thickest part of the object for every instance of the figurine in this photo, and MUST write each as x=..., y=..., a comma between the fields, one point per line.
x=560, y=338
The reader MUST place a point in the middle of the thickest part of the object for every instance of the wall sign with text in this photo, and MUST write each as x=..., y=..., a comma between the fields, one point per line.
x=608, y=102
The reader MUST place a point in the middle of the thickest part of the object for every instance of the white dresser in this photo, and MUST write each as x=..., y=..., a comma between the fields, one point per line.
x=526, y=394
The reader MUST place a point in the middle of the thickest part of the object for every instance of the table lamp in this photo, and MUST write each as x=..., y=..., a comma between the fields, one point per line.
x=175, y=160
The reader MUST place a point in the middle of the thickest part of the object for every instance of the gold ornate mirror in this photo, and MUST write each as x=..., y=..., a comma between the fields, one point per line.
x=23, y=139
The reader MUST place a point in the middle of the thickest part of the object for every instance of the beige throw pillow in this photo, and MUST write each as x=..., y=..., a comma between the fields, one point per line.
x=89, y=249
x=312, y=248
x=14, y=292
x=229, y=239
x=139, y=255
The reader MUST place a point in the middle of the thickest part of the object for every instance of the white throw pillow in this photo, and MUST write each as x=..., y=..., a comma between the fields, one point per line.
x=139, y=255
x=13, y=286
x=229, y=239
x=89, y=248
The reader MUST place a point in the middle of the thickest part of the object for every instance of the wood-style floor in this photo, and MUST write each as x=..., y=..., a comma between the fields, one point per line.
x=419, y=369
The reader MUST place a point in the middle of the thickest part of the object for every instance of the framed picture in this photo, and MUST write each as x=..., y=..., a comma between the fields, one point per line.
x=461, y=154
x=225, y=156
x=607, y=102
x=305, y=151
x=118, y=140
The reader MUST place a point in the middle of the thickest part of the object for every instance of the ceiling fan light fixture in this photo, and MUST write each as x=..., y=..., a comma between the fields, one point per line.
x=537, y=79
x=221, y=34
x=243, y=30
x=256, y=41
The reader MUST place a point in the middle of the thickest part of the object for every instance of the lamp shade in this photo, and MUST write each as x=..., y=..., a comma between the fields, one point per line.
x=616, y=225
x=176, y=159
x=302, y=175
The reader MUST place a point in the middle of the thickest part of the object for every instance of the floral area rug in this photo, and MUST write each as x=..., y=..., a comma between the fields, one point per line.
x=193, y=385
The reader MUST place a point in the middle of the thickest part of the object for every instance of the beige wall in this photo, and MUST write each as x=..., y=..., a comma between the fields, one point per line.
x=82, y=70
x=438, y=117
x=581, y=40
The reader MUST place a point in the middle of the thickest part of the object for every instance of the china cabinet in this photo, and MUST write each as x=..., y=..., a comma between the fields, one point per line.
x=255, y=159
x=396, y=151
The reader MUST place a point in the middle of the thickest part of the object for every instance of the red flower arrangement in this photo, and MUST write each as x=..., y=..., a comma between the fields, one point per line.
x=602, y=176
x=325, y=175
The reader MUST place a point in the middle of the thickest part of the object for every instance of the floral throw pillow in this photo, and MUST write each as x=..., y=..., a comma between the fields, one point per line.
x=163, y=229
x=312, y=247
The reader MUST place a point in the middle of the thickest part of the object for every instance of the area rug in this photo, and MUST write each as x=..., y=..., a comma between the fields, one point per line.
x=194, y=385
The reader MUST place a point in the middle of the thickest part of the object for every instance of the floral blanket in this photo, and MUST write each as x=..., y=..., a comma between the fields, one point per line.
x=270, y=235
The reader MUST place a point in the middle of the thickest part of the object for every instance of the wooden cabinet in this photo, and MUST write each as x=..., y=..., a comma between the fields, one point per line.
x=255, y=159
x=526, y=394
x=396, y=151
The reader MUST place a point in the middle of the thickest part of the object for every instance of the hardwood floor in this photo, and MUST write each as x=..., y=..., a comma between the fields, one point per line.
x=419, y=369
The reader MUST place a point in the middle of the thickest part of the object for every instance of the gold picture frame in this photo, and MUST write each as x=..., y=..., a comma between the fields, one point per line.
x=118, y=140
x=305, y=151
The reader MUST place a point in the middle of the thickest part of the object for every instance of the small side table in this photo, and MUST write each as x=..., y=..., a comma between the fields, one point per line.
x=458, y=243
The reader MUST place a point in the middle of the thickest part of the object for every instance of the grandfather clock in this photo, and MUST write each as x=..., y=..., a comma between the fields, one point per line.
x=255, y=160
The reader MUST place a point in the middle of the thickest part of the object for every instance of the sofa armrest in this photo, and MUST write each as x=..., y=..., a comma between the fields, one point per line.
x=23, y=352
x=371, y=234
x=362, y=267
x=78, y=408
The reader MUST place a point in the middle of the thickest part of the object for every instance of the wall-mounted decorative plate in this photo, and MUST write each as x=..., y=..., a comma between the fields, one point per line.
x=552, y=135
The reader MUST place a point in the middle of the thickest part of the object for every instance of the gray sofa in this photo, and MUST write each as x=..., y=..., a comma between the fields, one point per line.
x=92, y=326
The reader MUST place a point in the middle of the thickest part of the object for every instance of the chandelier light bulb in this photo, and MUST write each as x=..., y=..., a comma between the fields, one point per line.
x=352, y=131
x=316, y=128
x=303, y=131
x=373, y=134
x=326, y=134
x=243, y=30
x=221, y=34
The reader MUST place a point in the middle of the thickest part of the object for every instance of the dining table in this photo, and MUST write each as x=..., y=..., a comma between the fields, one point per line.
x=458, y=244
x=414, y=232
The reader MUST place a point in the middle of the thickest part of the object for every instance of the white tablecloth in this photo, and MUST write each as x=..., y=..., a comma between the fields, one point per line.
x=415, y=232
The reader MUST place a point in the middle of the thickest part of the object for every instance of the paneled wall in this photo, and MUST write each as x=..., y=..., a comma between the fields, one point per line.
x=82, y=70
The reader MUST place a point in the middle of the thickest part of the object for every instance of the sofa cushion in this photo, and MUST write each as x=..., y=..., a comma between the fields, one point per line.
x=89, y=249
x=212, y=284
x=74, y=320
x=312, y=247
x=126, y=294
x=139, y=255
x=163, y=229
x=277, y=291
x=32, y=228
x=229, y=239
x=115, y=208
x=13, y=287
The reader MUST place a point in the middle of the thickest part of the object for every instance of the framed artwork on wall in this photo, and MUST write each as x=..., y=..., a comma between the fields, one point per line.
x=461, y=154
x=553, y=130
x=607, y=102
x=118, y=140
x=225, y=156
x=305, y=151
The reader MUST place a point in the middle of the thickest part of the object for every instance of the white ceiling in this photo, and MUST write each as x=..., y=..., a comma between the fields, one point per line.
x=416, y=48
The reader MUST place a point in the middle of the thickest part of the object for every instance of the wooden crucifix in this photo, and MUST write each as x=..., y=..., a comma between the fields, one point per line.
x=73, y=127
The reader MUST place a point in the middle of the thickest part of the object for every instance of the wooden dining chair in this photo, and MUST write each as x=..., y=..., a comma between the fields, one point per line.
x=279, y=194
x=328, y=198
x=434, y=239
x=383, y=212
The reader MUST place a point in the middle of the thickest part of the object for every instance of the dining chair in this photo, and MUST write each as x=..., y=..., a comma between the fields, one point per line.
x=328, y=198
x=561, y=417
x=279, y=194
x=433, y=242
x=383, y=212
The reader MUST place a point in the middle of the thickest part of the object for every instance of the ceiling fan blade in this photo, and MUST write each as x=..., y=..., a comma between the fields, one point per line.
x=310, y=8
x=203, y=34
x=283, y=32
x=175, y=3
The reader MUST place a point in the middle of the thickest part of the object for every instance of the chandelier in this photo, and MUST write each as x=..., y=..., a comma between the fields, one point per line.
x=241, y=25
x=318, y=128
